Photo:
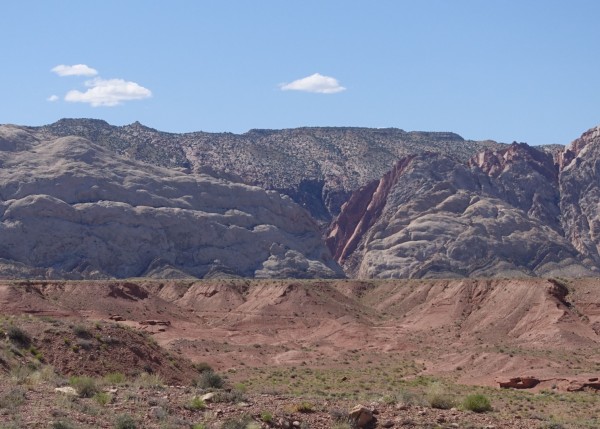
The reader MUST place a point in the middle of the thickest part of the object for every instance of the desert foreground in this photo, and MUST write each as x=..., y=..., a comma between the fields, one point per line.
x=304, y=351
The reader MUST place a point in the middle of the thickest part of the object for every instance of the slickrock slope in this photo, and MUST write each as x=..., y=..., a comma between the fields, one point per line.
x=317, y=167
x=432, y=216
x=72, y=209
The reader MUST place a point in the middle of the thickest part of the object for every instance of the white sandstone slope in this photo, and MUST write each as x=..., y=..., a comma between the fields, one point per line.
x=72, y=209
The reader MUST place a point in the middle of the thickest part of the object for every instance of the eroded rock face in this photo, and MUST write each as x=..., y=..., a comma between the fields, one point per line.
x=579, y=184
x=432, y=216
x=71, y=209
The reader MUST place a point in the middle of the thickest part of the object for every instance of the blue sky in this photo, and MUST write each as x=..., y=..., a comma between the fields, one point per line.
x=498, y=69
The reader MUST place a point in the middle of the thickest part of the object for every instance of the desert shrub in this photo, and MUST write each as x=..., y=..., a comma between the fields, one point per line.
x=233, y=396
x=13, y=398
x=239, y=423
x=85, y=344
x=125, y=421
x=199, y=426
x=304, y=407
x=196, y=404
x=150, y=380
x=439, y=398
x=478, y=403
x=345, y=424
x=342, y=420
x=81, y=331
x=210, y=379
x=62, y=424
x=86, y=386
x=241, y=387
x=18, y=336
x=102, y=398
x=202, y=367
x=159, y=413
x=115, y=378
x=266, y=416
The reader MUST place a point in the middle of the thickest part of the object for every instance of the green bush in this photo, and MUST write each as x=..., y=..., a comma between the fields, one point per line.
x=196, y=404
x=304, y=407
x=125, y=422
x=86, y=386
x=210, y=379
x=266, y=416
x=478, y=403
x=102, y=398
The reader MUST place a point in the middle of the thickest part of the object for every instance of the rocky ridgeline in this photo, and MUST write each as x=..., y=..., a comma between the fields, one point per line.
x=317, y=167
x=392, y=203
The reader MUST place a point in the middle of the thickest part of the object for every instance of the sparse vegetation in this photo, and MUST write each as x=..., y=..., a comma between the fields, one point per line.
x=102, y=398
x=149, y=380
x=210, y=379
x=18, y=336
x=477, y=402
x=266, y=416
x=62, y=424
x=239, y=423
x=304, y=407
x=13, y=398
x=202, y=367
x=115, y=378
x=196, y=404
x=125, y=421
x=81, y=331
x=438, y=397
x=86, y=386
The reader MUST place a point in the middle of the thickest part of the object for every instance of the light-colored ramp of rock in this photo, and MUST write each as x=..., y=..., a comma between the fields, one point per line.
x=69, y=208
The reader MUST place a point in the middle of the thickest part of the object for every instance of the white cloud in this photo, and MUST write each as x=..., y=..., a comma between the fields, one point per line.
x=74, y=70
x=108, y=92
x=314, y=83
x=53, y=98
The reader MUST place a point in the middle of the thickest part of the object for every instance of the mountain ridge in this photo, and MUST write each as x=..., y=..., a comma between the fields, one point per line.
x=389, y=203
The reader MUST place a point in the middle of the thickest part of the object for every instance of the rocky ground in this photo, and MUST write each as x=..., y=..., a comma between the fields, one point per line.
x=305, y=352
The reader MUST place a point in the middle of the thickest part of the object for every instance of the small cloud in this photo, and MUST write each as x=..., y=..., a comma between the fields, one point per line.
x=314, y=83
x=108, y=92
x=74, y=70
x=53, y=98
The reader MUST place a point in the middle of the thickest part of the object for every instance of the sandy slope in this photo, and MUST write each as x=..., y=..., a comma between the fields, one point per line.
x=474, y=331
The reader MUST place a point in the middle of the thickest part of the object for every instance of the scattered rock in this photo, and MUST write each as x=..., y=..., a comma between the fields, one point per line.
x=155, y=322
x=208, y=398
x=361, y=415
x=519, y=383
x=117, y=318
x=67, y=390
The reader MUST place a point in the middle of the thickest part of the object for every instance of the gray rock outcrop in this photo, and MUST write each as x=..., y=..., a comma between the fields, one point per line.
x=432, y=216
x=72, y=209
